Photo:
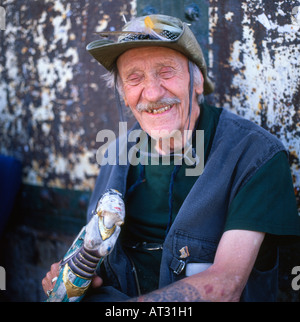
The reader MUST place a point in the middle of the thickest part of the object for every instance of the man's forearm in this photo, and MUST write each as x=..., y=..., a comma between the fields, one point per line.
x=211, y=285
x=180, y=291
x=224, y=281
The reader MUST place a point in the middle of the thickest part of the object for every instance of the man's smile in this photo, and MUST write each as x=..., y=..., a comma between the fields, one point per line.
x=160, y=110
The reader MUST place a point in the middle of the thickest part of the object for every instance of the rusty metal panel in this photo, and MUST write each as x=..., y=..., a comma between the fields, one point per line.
x=53, y=101
x=255, y=62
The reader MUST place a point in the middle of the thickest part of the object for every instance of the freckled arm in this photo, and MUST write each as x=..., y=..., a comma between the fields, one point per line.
x=224, y=280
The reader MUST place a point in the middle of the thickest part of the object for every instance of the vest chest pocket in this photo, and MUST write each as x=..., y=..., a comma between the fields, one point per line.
x=191, y=249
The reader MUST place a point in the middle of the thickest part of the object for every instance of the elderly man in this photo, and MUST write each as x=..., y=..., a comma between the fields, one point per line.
x=211, y=236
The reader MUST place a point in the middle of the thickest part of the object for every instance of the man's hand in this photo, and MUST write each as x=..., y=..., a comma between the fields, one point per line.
x=49, y=280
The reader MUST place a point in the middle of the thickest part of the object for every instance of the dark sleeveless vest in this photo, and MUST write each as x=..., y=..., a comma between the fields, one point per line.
x=239, y=149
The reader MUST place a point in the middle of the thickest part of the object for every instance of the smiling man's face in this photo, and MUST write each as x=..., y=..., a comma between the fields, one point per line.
x=155, y=84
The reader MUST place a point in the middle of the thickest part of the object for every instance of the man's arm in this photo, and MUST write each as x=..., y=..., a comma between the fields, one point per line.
x=224, y=280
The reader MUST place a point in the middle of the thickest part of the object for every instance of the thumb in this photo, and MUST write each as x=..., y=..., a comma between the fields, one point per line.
x=96, y=281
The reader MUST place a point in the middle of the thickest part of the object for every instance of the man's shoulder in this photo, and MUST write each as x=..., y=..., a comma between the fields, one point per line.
x=241, y=130
x=235, y=122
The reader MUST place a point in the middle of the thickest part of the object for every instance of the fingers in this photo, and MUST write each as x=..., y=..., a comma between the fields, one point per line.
x=49, y=280
x=55, y=269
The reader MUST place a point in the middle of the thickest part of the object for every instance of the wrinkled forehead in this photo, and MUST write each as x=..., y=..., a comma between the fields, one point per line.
x=157, y=55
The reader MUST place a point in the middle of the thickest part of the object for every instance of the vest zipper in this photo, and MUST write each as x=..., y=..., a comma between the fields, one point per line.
x=135, y=275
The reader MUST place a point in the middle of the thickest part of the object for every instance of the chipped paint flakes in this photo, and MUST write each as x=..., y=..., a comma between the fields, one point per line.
x=264, y=62
x=61, y=23
x=39, y=61
x=133, y=6
x=279, y=72
x=103, y=23
x=270, y=25
x=229, y=15
x=213, y=21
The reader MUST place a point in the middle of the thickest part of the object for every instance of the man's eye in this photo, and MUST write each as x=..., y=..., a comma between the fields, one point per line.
x=134, y=79
x=167, y=73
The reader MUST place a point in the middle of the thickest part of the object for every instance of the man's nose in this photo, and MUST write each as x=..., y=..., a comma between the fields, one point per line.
x=153, y=90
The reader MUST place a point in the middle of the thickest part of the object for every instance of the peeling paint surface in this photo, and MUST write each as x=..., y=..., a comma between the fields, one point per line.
x=256, y=67
x=51, y=108
x=53, y=101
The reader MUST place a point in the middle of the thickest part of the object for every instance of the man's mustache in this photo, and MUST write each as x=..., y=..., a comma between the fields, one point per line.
x=141, y=107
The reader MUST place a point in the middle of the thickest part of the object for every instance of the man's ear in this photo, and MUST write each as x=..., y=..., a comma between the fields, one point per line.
x=199, y=87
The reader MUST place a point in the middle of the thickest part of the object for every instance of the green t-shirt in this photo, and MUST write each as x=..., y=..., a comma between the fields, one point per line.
x=147, y=207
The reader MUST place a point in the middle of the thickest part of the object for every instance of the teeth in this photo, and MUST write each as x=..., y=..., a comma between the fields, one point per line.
x=161, y=110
